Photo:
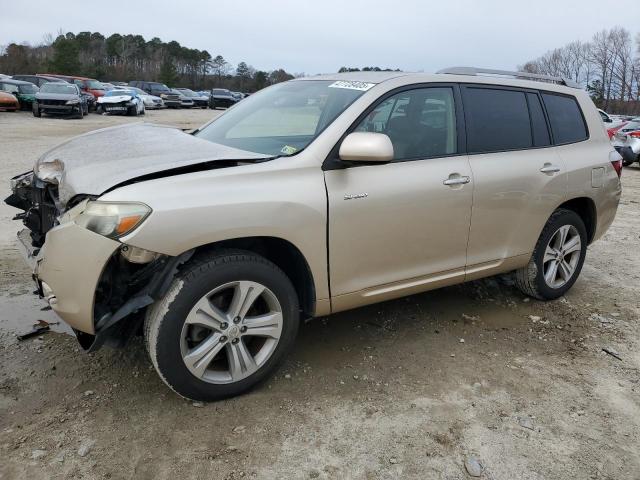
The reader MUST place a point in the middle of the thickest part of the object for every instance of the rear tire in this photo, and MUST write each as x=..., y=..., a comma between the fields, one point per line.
x=204, y=358
x=557, y=258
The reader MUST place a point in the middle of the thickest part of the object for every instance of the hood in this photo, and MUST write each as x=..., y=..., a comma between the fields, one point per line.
x=115, y=99
x=98, y=161
x=56, y=96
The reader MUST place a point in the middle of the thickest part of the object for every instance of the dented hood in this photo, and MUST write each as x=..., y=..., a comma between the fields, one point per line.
x=97, y=161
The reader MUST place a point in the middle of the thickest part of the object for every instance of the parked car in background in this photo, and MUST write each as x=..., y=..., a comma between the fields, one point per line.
x=85, y=84
x=238, y=96
x=151, y=102
x=626, y=141
x=185, y=101
x=25, y=92
x=8, y=103
x=60, y=98
x=108, y=86
x=2, y=75
x=38, y=80
x=216, y=245
x=90, y=99
x=198, y=99
x=119, y=84
x=121, y=101
x=170, y=99
x=221, y=98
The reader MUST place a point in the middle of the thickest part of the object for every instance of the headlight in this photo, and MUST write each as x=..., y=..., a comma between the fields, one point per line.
x=73, y=102
x=112, y=220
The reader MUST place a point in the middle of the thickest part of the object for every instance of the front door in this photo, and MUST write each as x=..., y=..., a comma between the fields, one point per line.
x=401, y=227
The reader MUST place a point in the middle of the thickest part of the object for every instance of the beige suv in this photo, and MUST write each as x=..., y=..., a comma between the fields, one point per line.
x=311, y=197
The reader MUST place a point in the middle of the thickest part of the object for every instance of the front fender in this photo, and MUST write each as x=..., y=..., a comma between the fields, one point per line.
x=258, y=200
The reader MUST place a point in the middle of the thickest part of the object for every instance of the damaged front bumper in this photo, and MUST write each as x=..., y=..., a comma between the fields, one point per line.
x=67, y=269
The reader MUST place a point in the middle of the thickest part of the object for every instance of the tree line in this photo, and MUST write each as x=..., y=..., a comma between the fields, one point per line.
x=608, y=66
x=131, y=57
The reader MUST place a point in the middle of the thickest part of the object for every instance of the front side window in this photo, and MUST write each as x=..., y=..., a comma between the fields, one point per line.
x=496, y=120
x=421, y=123
x=283, y=119
x=565, y=117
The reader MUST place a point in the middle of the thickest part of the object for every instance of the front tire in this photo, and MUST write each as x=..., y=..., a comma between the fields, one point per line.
x=557, y=258
x=36, y=111
x=227, y=321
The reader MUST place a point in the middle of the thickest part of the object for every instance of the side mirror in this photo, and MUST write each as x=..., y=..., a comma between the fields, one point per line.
x=366, y=147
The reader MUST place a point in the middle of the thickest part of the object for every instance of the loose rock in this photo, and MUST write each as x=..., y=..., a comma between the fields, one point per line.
x=473, y=466
x=526, y=422
x=85, y=447
x=36, y=454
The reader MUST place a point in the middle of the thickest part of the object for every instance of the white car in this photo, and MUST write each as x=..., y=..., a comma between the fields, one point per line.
x=151, y=102
x=123, y=102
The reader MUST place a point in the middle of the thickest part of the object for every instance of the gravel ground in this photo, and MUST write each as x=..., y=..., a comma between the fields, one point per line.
x=413, y=388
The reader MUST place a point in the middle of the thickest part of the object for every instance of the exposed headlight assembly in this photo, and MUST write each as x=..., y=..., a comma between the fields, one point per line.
x=112, y=219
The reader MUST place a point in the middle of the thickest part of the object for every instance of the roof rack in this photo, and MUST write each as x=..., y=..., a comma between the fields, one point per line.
x=522, y=75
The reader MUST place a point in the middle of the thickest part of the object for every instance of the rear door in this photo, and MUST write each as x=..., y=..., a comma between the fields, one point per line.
x=519, y=178
x=398, y=227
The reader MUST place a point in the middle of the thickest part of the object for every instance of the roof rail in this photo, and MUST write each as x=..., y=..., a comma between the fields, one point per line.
x=522, y=75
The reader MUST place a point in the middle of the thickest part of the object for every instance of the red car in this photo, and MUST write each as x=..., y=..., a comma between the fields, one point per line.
x=90, y=85
x=8, y=103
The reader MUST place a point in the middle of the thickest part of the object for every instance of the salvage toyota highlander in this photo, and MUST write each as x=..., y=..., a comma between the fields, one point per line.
x=311, y=197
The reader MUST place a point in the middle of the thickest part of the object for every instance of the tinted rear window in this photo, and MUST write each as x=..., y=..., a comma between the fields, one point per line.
x=565, y=117
x=497, y=120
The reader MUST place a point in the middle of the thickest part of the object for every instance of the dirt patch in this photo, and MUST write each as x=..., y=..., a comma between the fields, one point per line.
x=386, y=391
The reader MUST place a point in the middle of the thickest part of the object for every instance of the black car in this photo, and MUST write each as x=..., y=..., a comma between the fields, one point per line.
x=60, y=98
x=171, y=100
x=221, y=98
x=197, y=99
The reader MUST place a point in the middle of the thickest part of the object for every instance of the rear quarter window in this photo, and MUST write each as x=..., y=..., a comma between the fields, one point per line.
x=565, y=117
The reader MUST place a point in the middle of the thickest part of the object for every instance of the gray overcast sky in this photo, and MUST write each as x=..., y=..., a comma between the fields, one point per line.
x=321, y=36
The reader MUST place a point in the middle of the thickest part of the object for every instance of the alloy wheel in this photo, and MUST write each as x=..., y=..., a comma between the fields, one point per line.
x=561, y=256
x=231, y=332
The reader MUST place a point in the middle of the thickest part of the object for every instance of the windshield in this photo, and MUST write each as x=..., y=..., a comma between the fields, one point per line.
x=27, y=88
x=188, y=93
x=138, y=91
x=93, y=84
x=160, y=87
x=283, y=119
x=59, y=87
x=217, y=91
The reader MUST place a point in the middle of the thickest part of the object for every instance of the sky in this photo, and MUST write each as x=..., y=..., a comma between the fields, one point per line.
x=321, y=36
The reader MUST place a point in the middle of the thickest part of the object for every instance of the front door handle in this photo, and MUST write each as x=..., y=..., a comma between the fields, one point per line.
x=456, y=179
x=548, y=168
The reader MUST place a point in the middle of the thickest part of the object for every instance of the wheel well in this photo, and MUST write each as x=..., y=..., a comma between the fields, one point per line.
x=586, y=209
x=286, y=256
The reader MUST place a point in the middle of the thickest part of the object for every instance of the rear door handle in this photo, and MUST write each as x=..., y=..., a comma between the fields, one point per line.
x=455, y=179
x=548, y=168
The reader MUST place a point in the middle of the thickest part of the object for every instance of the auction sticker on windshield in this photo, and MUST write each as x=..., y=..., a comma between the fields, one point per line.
x=351, y=85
